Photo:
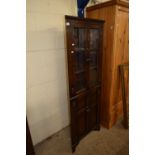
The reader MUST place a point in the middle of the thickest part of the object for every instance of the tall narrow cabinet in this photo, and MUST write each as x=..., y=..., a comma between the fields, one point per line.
x=84, y=53
x=116, y=52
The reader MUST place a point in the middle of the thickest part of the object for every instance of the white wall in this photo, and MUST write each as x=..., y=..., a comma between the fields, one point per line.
x=47, y=105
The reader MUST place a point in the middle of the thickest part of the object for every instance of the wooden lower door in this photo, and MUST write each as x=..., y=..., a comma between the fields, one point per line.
x=78, y=118
x=93, y=109
x=84, y=114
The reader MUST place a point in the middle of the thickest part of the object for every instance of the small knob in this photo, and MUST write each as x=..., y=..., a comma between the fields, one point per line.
x=73, y=44
x=67, y=23
x=72, y=52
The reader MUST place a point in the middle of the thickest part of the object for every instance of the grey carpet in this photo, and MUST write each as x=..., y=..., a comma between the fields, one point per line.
x=114, y=141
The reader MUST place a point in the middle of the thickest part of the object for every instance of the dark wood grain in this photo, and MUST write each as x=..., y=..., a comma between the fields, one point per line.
x=84, y=53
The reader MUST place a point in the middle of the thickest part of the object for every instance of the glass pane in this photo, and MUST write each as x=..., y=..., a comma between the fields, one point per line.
x=94, y=38
x=93, y=58
x=79, y=71
x=79, y=61
x=80, y=83
x=93, y=78
x=79, y=37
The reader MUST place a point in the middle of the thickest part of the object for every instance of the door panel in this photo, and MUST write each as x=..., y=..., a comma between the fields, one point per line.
x=94, y=39
x=80, y=82
x=79, y=37
x=93, y=107
x=93, y=77
x=78, y=57
x=93, y=68
x=79, y=115
x=92, y=117
x=81, y=123
x=92, y=97
x=79, y=71
x=79, y=61
x=93, y=58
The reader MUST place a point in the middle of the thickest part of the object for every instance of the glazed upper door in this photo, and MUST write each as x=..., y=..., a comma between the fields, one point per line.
x=78, y=52
x=84, y=48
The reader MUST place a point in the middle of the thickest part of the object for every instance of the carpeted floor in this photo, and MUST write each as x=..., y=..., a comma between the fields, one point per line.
x=114, y=141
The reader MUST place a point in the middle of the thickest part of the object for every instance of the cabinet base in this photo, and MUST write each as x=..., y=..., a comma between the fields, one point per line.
x=96, y=128
x=74, y=148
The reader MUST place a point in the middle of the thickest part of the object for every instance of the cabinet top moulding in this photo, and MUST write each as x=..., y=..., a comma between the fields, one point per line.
x=124, y=3
x=84, y=19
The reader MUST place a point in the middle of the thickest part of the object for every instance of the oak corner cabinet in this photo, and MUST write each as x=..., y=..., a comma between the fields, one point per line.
x=84, y=54
x=116, y=52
